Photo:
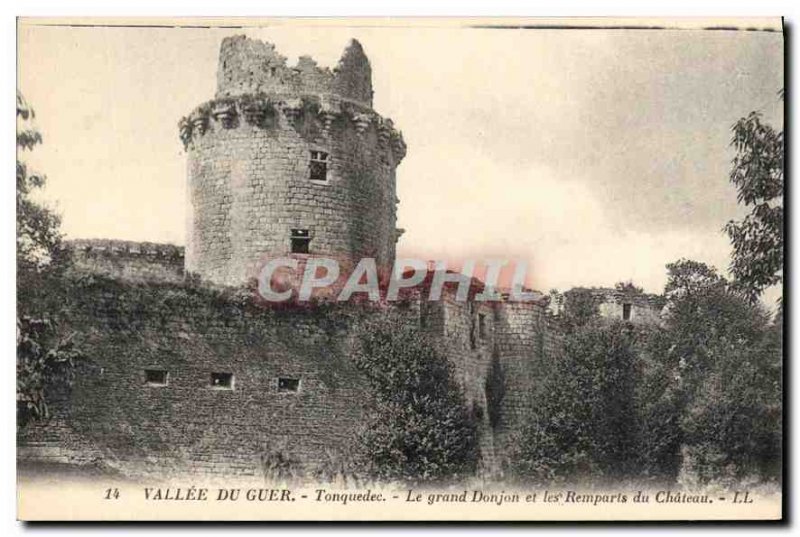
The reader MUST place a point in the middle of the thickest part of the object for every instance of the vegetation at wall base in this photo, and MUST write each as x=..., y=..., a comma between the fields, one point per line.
x=419, y=428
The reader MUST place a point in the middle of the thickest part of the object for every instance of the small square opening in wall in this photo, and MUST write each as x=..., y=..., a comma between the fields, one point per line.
x=626, y=312
x=318, y=166
x=288, y=384
x=222, y=381
x=300, y=241
x=155, y=377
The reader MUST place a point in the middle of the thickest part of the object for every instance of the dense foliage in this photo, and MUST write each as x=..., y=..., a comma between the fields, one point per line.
x=699, y=395
x=45, y=353
x=757, y=174
x=728, y=353
x=38, y=235
x=580, y=306
x=419, y=428
x=582, y=426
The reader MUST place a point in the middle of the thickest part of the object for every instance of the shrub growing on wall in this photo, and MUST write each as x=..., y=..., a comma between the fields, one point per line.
x=580, y=307
x=419, y=429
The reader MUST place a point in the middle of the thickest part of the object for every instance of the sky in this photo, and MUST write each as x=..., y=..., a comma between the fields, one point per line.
x=597, y=156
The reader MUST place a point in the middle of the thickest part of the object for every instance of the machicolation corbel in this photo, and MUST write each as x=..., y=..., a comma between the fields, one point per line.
x=398, y=146
x=199, y=120
x=329, y=110
x=224, y=112
x=362, y=122
x=385, y=128
x=185, y=129
x=258, y=110
x=292, y=109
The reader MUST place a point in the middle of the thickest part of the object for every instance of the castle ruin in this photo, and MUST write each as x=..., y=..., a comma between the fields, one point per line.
x=282, y=161
x=288, y=159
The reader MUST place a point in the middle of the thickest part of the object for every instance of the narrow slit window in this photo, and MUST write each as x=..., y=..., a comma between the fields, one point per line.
x=626, y=312
x=155, y=377
x=301, y=239
x=318, y=166
x=482, y=325
x=287, y=384
x=222, y=381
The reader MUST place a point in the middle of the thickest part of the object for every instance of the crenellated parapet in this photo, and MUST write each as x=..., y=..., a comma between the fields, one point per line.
x=255, y=86
x=127, y=260
x=627, y=303
x=113, y=247
x=250, y=66
x=330, y=114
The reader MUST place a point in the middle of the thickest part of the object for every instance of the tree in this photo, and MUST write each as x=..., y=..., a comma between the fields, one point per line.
x=46, y=353
x=687, y=279
x=580, y=306
x=629, y=288
x=701, y=393
x=38, y=235
x=704, y=313
x=757, y=173
x=727, y=365
x=584, y=425
x=659, y=403
x=419, y=428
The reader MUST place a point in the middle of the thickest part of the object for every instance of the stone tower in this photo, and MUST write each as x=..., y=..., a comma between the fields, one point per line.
x=288, y=160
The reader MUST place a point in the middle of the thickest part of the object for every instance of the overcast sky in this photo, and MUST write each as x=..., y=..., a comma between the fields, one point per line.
x=597, y=155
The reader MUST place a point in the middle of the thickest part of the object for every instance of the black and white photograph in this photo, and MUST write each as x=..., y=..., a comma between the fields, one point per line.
x=400, y=269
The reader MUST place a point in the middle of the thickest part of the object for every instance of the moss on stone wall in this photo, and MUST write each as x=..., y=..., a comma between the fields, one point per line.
x=191, y=332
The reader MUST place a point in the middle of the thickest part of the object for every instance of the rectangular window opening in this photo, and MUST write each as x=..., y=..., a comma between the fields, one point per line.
x=301, y=240
x=286, y=384
x=155, y=377
x=222, y=381
x=318, y=166
x=626, y=312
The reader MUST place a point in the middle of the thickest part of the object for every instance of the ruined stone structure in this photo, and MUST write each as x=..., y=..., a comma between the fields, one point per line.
x=625, y=304
x=288, y=160
x=131, y=261
x=183, y=380
x=284, y=160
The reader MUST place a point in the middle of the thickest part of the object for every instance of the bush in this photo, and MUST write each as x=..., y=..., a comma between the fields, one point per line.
x=659, y=403
x=419, y=428
x=729, y=373
x=584, y=426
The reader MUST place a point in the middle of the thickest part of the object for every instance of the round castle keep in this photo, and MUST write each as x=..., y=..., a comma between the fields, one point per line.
x=288, y=160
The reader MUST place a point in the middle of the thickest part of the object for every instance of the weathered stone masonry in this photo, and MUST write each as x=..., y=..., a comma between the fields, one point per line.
x=282, y=160
x=131, y=261
x=250, y=186
x=251, y=151
x=114, y=415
